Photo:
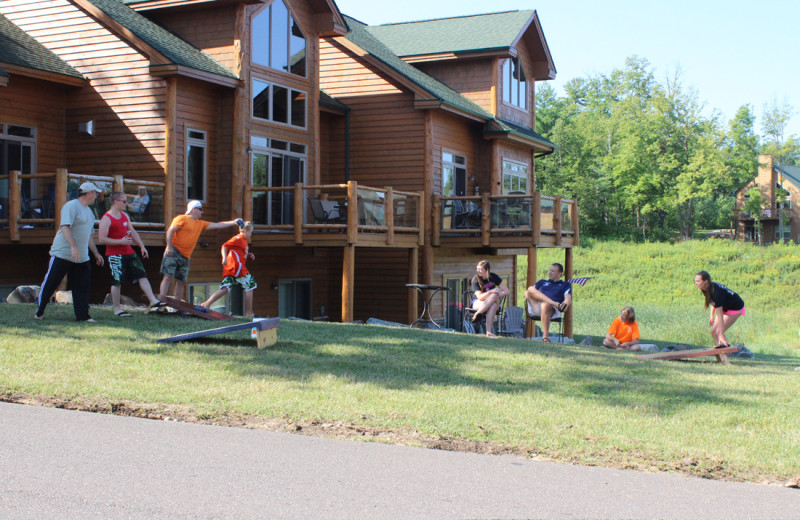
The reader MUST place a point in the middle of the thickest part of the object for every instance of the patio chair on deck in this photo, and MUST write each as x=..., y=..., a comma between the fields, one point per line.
x=326, y=211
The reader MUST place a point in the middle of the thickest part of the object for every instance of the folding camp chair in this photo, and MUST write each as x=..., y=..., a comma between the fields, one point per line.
x=557, y=318
x=479, y=326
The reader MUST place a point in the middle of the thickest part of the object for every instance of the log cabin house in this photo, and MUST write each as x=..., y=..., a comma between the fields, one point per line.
x=367, y=157
x=779, y=186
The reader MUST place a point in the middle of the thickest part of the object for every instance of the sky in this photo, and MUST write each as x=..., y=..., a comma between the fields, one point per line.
x=731, y=52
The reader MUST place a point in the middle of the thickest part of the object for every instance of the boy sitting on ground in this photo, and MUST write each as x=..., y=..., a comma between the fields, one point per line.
x=623, y=334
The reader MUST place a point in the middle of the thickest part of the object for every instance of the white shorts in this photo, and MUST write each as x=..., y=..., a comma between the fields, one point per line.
x=536, y=311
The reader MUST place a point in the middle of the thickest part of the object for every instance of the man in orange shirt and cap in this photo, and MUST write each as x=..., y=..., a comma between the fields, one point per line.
x=182, y=236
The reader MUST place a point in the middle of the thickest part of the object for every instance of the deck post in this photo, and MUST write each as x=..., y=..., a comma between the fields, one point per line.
x=348, y=271
x=531, y=280
x=574, y=217
x=437, y=220
x=486, y=220
x=421, y=217
x=60, y=195
x=536, y=219
x=413, y=277
x=14, y=204
x=388, y=214
x=119, y=183
x=568, y=273
x=557, y=219
x=298, y=213
x=352, y=212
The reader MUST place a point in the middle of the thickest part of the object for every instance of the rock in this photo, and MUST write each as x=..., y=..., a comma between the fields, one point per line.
x=744, y=352
x=793, y=484
x=64, y=297
x=586, y=341
x=24, y=294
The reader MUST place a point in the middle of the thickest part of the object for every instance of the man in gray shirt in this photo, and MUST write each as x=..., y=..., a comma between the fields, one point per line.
x=69, y=254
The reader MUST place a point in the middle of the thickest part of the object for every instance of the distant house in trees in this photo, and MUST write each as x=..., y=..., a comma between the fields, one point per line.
x=779, y=186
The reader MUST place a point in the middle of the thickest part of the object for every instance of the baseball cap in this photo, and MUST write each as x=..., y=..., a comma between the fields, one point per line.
x=193, y=204
x=87, y=186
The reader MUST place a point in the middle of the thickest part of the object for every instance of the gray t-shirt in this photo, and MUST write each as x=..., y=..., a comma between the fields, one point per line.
x=80, y=219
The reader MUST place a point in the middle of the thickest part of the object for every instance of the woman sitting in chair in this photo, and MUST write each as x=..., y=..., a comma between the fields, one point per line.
x=489, y=291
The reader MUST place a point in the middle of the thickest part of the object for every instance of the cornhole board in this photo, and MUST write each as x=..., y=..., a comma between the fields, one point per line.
x=719, y=353
x=188, y=308
x=266, y=332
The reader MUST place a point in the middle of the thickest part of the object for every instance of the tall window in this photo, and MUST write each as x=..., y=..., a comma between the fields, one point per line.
x=17, y=152
x=515, y=87
x=279, y=104
x=195, y=165
x=275, y=163
x=454, y=175
x=515, y=177
x=278, y=42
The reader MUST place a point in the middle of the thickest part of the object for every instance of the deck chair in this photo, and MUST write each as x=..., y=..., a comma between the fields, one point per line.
x=514, y=322
x=326, y=211
x=557, y=318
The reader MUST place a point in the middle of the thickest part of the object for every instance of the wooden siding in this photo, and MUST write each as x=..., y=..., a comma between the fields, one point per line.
x=459, y=136
x=387, y=138
x=124, y=101
x=471, y=78
x=31, y=102
x=210, y=29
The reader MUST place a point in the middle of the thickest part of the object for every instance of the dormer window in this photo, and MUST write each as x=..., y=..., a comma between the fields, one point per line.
x=515, y=87
x=278, y=42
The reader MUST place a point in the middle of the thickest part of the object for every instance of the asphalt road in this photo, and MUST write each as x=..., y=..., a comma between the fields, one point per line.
x=66, y=464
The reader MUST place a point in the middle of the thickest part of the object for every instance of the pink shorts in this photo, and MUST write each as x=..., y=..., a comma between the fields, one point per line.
x=740, y=312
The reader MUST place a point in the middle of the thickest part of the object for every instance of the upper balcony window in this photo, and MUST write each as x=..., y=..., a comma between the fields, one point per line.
x=515, y=177
x=278, y=42
x=515, y=87
x=279, y=104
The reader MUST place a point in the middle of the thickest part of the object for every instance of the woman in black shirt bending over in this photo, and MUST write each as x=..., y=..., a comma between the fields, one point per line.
x=489, y=291
x=726, y=306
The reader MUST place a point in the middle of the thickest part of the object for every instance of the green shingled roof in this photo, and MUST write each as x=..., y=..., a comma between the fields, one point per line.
x=363, y=37
x=792, y=173
x=19, y=48
x=175, y=49
x=360, y=35
x=461, y=34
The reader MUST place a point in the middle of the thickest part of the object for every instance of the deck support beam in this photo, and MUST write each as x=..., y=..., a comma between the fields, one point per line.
x=348, y=273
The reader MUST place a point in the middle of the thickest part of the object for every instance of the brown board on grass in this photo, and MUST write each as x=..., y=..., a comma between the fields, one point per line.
x=188, y=308
x=719, y=353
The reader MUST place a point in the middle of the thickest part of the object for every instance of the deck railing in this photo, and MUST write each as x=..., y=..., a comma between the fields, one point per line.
x=35, y=200
x=516, y=215
x=345, y=208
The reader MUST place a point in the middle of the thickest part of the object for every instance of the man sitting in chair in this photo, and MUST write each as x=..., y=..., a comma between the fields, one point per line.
x=548, y=299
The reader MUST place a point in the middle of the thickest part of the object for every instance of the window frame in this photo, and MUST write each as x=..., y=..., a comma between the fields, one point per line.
x=291, y=19
x=512, y=85
x=203, y=144
x=271, y=105
x=506, y=172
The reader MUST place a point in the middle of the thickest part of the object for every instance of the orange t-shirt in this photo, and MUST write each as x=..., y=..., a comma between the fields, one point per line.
x=624, y=332
x=189, y=229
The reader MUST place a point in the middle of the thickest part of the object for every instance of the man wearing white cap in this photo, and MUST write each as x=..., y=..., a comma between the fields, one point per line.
x=69, y=254
x=182, y=236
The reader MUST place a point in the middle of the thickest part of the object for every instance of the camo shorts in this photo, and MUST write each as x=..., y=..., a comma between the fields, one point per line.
x=247, y=282
x=176, y=266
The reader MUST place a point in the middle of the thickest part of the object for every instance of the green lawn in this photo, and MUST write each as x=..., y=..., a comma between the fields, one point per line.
x=566, y=403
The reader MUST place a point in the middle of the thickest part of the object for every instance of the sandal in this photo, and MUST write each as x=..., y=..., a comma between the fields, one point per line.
x=156, y=307
x=546, y=340
x=123, y=314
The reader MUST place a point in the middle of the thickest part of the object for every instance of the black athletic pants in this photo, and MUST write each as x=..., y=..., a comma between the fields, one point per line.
x=80, y=278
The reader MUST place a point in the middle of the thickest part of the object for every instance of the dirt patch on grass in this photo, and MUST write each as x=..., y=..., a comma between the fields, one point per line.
x=711, y=468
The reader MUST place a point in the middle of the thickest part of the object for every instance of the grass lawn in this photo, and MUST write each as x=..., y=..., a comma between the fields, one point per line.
x=444, y=390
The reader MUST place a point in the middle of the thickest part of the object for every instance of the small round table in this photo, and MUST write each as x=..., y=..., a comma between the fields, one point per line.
x=426, y=307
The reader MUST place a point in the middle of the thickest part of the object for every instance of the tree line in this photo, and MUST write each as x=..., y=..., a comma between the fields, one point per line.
x=643, y=161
